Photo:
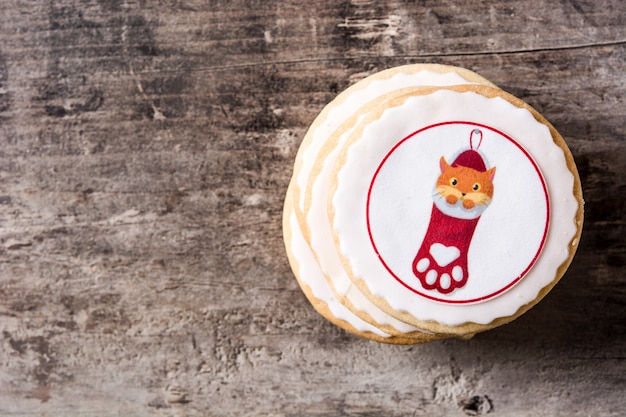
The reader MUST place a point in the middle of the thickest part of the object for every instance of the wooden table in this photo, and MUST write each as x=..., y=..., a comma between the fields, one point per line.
x=145, y=150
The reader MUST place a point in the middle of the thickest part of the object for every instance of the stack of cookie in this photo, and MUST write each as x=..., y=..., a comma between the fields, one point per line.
x=427, y=203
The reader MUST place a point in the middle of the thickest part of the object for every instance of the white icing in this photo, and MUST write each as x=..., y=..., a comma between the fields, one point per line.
x=380, y=135
x=311, y=276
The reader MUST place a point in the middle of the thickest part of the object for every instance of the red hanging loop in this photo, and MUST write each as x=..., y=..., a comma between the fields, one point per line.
x=471, y=138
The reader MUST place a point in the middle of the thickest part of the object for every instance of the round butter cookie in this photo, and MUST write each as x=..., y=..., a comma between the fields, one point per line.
x=454, y=209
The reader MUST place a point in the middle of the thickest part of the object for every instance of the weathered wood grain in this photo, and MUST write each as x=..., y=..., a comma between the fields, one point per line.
x=145, y=150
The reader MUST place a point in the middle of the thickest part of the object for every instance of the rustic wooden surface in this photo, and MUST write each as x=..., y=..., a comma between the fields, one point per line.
x=145, y=150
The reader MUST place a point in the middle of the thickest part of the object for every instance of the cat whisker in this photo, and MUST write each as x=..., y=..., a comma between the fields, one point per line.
x=440, y=191
x=483, y=199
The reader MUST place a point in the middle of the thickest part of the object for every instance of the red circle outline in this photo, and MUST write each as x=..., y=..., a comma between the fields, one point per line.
x=533, y=260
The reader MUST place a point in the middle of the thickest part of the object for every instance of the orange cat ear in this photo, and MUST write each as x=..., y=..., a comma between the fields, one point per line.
x=491, y=173
x=443, y=165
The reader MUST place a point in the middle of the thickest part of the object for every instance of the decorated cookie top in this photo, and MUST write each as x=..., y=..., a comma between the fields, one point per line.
x=453, y=205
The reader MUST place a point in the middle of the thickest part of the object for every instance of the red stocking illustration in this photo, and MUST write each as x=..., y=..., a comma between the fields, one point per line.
x=463, y=191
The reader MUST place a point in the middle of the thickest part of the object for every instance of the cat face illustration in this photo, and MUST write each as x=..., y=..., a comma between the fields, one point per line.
x=463, y=192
